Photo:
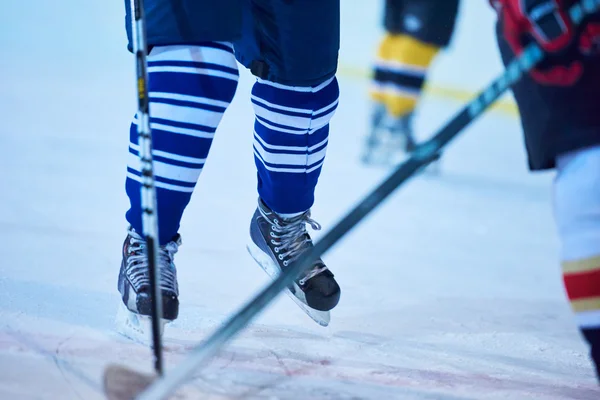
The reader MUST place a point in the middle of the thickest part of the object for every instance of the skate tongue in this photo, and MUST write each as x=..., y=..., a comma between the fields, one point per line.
x=304, y=217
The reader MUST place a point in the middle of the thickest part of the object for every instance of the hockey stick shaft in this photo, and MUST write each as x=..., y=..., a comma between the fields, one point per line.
x=148, y=189
x=423, y=155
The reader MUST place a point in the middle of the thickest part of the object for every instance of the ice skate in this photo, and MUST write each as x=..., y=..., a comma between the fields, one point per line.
x=403, y=143
x=134, y=314
x=390, y=140
x=372, y=142
x=276, y=242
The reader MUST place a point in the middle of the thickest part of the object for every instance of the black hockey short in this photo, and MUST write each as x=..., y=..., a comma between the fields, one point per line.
x=556, y=120
x=430, y=21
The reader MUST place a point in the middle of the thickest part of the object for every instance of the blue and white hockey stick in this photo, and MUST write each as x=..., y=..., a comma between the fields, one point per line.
x=423, y=155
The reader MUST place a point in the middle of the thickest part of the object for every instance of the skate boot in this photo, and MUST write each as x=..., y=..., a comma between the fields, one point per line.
x=390, y=140
x=372, y=143
x=134, y=315
x=276, y=242
x=401, y=132
x=404, y=142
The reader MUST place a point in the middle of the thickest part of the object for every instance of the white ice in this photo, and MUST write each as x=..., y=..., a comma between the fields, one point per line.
x=450, y=290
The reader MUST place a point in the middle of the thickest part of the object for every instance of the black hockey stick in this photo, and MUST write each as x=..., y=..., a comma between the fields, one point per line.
x=423, y=155
x=148, y=195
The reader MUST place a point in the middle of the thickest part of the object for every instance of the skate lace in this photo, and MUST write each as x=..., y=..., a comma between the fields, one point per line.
x=291, y=240
x=137, y=265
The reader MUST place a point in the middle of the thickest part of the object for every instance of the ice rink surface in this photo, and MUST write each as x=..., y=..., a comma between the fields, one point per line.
x=450, y=290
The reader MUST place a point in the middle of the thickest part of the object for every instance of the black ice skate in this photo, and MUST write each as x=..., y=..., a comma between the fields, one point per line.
x=133, y=319
x=276, y=242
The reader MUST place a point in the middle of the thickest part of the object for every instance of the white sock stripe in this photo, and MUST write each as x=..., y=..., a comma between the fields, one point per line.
x=392, y=88
x=280, y=158
x=195, y=54
x=316, y=157
x=302, y=89
x=321, y=143
x=302, y=124
x=399, y=67
x=191, y=99
x=186, y=114
x=287, y=121
x=588, y=319
x=268, y=146
x=309, y=113
x=288, y=170
x=322, y=121
x=283, y=130
x=163, y=185
x=280, y=107
x=284, y=170
x=290, y=159
x=167, y=171
x=327, y=107
x=171, y=156
x=193, y=70
x=316, y=167
x=323, y=85
x=276, y=147
x=180, y=131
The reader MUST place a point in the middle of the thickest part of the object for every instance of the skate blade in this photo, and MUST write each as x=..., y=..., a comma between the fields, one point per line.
x=268, y=265
x=136, y=327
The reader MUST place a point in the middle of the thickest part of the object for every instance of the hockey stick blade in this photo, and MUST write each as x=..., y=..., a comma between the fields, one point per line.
x=421, y=157
x=122, y=383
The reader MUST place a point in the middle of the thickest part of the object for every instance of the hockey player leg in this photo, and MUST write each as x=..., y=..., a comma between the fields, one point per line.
x=190, y=88
x=290, y=142
x=294, y=98
x=577, y=212
x=415, y=32
x=398, y=79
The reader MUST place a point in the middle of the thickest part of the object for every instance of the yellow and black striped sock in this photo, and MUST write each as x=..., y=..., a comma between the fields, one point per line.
x=399, y=73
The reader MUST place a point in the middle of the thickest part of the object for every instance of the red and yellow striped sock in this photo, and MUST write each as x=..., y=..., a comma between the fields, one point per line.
x=582, y=283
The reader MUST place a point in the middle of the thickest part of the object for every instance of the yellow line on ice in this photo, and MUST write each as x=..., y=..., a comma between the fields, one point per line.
x=506, y=107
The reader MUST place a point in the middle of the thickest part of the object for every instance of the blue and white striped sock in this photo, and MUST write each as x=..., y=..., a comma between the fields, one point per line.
x=190, y=87
x=291, y=132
